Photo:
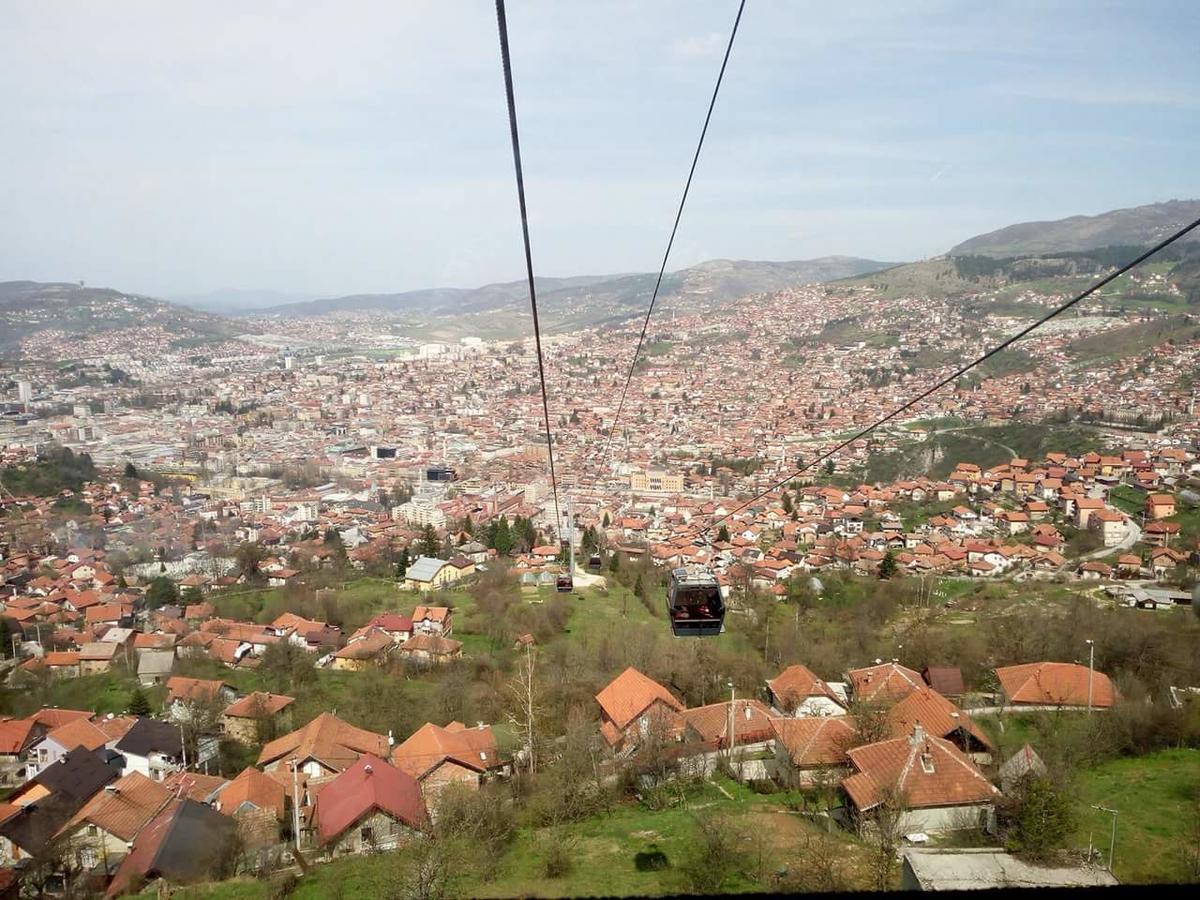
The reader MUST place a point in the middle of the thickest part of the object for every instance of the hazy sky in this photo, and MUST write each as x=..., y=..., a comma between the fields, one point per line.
x=332, y=148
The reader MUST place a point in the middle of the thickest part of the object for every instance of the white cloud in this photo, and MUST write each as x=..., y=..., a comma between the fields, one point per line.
x=699, y=46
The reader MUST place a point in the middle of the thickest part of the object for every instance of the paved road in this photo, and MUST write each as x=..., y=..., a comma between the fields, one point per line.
x=1133, y=534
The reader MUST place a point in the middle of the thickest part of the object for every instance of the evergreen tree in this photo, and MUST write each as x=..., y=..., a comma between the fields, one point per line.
x=131, y=470
x=723, y=534
x=614, y=563
x=160, y=591
x=887, y=566
x=139, y=703
x=403, y=563
x=429, y=544
x=503, y=541
x=607, y=521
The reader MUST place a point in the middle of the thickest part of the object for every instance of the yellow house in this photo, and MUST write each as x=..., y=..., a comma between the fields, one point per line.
x=428, y=573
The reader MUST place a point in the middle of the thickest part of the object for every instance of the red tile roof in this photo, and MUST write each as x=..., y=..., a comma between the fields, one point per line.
x=629, y=695
x=1055, y=684
x=367, y=786
x=925, y=771
x=816, y=740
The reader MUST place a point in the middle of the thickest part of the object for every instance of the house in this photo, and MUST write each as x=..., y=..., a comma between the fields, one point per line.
x=78, y=732
x=749, y=721
x=370, y=806
x=47, y=801
x=154, y=666
x=1160, y=506
x=325, y=746
x=1023, y=763
x=16, y=738
x=371, y=647
x=883, y=682
x=101, y=832
x=946, y=680
x=934, y=784
x=258, y=717
x=437, y=756
x=429, y=573
x=96, y=657
x=1054, y=684
x=186, y=696
x=433, y=620
x=970, y=869
x=1109, y=524
x=153, y=748
x=631, y=704
x=185, y=842
x=258, y=803
x=796, y=691
x=398, y=625
x=809, y=748
x=942, y=719
x=426, y=649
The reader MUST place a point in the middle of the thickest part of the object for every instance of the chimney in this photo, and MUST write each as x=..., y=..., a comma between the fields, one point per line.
x=368, y=769
x=918, y=735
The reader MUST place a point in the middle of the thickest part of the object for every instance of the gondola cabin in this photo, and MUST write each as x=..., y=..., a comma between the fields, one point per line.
x=694, y=603
x=565, y=583
x=594, y=562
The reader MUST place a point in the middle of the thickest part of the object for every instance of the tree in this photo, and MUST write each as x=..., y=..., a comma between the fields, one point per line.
x=429, y=544
x=161, y=591
x=1036, y=817
x=139, y=703
x=723, y=535
x=502, y=541
x=884, y=832
x=887, y=566
x=523, y=718
x=248, y=557
x=614, y=563
x=131, y=470
x=403, y=563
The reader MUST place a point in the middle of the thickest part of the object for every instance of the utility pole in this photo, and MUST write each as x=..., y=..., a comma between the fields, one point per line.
x=296, y=803
x=1091, y=668
x=731, y=733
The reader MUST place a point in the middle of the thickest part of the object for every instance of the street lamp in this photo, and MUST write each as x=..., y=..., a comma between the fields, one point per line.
x=1112, y=841
x=1091, y=668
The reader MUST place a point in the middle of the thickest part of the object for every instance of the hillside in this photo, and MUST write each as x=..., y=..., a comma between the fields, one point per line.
x=27, y=307
x=594, y=299
x=1137, y=226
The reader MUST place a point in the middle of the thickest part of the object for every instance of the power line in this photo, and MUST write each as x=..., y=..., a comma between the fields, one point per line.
x=502, y=24
x=678, y=215
x=958, y=374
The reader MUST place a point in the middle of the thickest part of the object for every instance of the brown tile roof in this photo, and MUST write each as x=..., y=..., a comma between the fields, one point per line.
x=884, y=682
x=252, y=789
x=933, y=712
x=629, y=694
x=797, y=683
x=122, y=808
x=257, y=704
x=925, y=771
x=192, y=689
x=816, y=740
x=329, y=740
x=752, y=722
x=1054, y=684
x=431, y=745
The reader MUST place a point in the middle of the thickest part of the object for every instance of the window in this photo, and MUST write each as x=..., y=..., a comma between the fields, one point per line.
x=92, y=831
x=87, y=858
x=367, y=834
x=926, y=763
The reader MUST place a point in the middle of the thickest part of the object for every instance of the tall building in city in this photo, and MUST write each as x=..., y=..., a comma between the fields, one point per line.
x=24, y=391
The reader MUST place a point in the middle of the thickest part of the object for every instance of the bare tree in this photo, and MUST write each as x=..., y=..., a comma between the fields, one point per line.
x=524, y=717
x=883, y=833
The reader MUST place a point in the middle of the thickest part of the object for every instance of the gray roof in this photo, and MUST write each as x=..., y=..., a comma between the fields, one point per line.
x=424, y=568
x=964, y=870
x=1021, y=764
x=155, y=662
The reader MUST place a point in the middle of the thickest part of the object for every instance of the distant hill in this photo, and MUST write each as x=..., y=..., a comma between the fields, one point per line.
x=1138, y=226
x=594, y=299
x=236, y=301
x=27, y=307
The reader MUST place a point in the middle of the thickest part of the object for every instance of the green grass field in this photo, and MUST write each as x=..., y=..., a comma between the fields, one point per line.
x=1157, y=798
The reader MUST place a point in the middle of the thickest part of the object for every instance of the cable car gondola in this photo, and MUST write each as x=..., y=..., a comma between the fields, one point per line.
x=694, y=603
x=564, y=584
x=594, y=563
